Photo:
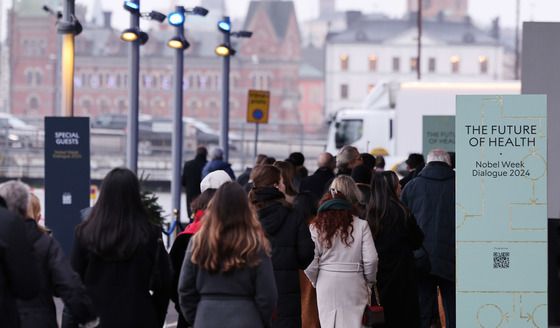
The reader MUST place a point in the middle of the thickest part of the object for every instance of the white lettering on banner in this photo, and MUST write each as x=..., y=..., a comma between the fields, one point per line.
x=67, y=138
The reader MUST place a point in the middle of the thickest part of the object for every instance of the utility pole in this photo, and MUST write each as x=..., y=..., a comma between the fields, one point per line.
x=225, y=50
x=517, y=50
x=133, y=85
x=67, y=59
x=179, y=44
x=224, y=118
x=418, y=58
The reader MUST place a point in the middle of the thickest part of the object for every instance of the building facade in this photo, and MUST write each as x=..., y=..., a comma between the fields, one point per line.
x=269, y=60
x=372, y=51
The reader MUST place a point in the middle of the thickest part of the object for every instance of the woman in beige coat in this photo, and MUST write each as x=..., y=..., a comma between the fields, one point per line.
x=345, y=263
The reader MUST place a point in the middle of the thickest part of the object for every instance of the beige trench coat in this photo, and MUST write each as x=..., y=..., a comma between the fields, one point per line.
x=342, y=276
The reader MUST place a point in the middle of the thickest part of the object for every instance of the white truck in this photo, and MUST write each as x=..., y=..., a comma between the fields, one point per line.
x=390, y=117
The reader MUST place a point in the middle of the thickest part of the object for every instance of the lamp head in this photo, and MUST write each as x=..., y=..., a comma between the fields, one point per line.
x=224, y=51
x=72, y=27
x=178, y=43
x=225, y=25
x=130, y=35
x=199, y=11
x=243, y=34
x=143, y=36
x=157, y=16
x=176, y=18
x=132, y=6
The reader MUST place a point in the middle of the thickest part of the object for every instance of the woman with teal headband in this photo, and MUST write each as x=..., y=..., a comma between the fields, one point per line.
x=345, y=262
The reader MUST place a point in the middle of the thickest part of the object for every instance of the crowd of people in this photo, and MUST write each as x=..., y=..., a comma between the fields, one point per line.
x=278, y=247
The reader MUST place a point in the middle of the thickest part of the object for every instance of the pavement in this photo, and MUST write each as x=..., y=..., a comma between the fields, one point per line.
x=170, y=321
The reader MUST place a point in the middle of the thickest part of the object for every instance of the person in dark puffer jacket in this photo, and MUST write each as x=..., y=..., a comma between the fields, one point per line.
x=56, y=277
x=292, y=246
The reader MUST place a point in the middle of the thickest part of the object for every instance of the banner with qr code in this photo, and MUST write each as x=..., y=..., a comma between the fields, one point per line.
x=501, y=211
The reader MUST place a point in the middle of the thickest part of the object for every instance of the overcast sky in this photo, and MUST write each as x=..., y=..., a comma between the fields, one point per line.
x=482, y=11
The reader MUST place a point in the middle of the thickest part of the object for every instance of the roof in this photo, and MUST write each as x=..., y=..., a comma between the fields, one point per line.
x=314, y=57
x=379, y=30
x=309, y=72
x=279, y=13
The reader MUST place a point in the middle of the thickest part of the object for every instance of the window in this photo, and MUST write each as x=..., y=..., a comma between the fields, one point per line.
x=104, y=104
x=121, y=105
x=413, y=64
x=344, y=91
x=33, y=103
x=455, y=61
x=94, y=81
x=29, y=77
x=431, y=65
x=396, y=64
x=372, y=60
x=86, y=104
x=348, y=131
x=344, y=62
x=483, y=60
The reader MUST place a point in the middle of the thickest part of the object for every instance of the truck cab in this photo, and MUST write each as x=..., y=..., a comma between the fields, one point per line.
x=364, y=129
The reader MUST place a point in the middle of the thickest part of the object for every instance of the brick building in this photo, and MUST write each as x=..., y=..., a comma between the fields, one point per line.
x=269, y=60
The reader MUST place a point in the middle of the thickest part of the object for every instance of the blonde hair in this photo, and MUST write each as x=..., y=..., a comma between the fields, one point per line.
x=346, y=186
x=34, y=209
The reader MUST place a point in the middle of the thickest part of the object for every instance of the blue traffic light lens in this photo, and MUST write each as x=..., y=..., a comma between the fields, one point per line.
x=176, y=18
x=224, y=26
x=131, y=5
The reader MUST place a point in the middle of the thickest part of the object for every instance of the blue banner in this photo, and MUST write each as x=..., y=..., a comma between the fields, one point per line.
x=67, y=175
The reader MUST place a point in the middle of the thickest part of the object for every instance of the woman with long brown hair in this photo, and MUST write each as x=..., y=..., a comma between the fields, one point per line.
x=345, y=262
x=227, y=278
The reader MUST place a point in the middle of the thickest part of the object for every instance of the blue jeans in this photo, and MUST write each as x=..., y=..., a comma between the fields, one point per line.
x=427, y=294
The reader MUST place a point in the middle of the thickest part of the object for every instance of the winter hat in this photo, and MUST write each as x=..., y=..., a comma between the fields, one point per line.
x=214, y=180
x=362, y=174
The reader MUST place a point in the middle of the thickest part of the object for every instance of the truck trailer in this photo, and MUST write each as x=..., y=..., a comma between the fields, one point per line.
x=390, y=117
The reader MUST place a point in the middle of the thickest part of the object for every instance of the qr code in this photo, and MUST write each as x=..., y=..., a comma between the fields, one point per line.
x=501, y=260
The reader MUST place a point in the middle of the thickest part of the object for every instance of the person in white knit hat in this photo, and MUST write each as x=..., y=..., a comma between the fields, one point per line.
x=208, y=187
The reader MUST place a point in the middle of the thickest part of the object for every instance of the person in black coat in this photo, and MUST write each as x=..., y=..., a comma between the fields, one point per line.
x=292, y=246
x=226, y=278
x=120, y=257
x=56, y=276
x=431, y=198
x=396, y=235
x=319, y=181
x=19, y=275
x=414, y=163
x=362, y=176
x=192, y=175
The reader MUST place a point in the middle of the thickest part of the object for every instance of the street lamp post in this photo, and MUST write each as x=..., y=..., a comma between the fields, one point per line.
x=136, y=37
x=69, y=27
x=224, y=118
x=226, y=51
x=180, y=44
x=133, y=85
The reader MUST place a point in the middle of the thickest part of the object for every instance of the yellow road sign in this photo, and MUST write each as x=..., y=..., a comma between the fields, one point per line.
x=258, y=104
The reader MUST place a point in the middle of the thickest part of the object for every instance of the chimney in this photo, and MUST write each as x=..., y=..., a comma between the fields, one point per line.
x=495, y=31
x=353, y=17
x=107, y=19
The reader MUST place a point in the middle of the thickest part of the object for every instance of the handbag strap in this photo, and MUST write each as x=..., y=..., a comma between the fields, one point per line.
x=376, y=294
